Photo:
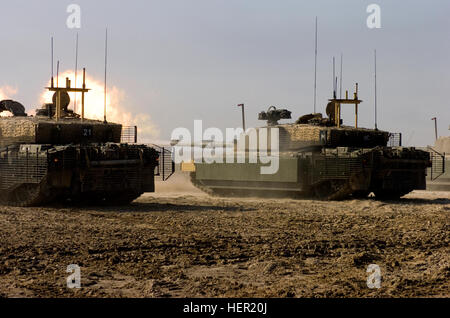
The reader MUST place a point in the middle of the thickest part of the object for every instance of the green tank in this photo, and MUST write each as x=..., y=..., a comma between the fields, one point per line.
x=58, y=155
x=320, y=157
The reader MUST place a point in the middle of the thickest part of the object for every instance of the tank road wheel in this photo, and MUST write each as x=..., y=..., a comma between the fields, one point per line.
x=332, y=190
x=25, y=195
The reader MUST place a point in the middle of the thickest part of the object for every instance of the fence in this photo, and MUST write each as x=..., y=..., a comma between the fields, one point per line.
x=437, y=164
x=166, y=167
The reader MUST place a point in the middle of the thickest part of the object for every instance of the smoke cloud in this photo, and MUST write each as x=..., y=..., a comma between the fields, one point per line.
x=115, y=105
x=7, y=92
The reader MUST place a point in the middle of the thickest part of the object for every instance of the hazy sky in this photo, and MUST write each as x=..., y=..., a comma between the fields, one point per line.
x=197, y=59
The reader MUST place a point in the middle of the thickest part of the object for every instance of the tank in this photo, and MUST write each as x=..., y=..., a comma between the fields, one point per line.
x=58, y=155
x=322, y=158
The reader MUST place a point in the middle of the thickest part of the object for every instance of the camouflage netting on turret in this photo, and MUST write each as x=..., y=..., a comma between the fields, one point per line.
x=19, y=130
x=15, y=130
x=303, y=132
x=298, y=136
x=303, y=135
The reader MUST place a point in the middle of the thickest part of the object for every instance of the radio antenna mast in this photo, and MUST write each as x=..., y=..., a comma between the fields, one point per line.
x=76, y=71
x=57, y=74
x=336, y=85
x=315, y=70
x=52, y=84
x=340, y=84
x=106, y=63
x=334, y=78
x=375, y=55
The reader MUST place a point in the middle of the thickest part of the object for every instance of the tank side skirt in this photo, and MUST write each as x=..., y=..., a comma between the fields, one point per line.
x=333, y=174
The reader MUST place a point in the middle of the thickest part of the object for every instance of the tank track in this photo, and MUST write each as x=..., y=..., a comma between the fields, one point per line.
x=27, y=195
x=388, y=195
x=333, y=191
x=109, y=199
x=31, y=195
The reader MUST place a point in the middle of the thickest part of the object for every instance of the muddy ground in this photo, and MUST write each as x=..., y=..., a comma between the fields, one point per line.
x=182, y=243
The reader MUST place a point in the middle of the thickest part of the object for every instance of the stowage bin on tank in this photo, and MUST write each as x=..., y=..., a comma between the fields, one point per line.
x=320, y=157
x=60, y=155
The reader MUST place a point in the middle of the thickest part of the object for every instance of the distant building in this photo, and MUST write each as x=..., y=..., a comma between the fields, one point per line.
x=443, y=144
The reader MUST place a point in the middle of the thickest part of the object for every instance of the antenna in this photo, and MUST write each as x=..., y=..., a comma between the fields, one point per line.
x=57, y=74
x=410, y=137
x=315, y=70
x=375, y=55
x=76, y=71
x=52, y=62
x=334, y=83
x=82, y=94
x=340, y=84
x=106, y=63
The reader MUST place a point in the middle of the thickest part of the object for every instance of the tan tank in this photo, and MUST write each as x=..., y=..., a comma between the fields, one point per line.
x=59, y=155
x=320, y=157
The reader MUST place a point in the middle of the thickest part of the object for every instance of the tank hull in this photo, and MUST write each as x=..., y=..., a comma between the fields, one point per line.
x=331, y=174
x=109, y=173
